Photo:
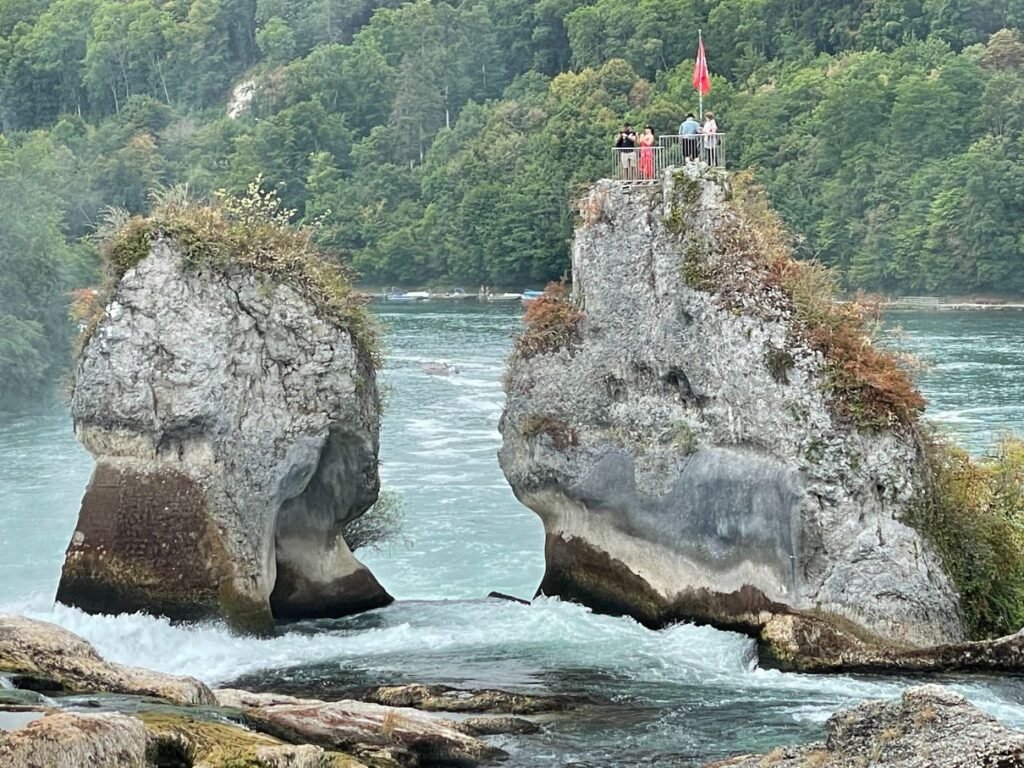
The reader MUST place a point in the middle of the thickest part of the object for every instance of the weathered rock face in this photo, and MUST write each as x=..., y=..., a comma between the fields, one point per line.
x=928, y=726
x=683, y=453
x=235, y=432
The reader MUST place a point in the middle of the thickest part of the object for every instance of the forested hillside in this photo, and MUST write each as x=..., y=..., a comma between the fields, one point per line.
x=440, y=142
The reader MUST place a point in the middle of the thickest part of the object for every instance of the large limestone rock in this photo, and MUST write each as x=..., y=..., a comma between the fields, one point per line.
x=41, y=656
x=682, y=450
x=235, y=431
x=928, y=727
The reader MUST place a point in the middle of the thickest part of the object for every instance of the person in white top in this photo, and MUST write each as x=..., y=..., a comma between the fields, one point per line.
x=710, y=133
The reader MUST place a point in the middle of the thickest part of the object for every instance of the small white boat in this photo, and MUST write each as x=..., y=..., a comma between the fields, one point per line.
x=455, y=294
x=440, y=368
x=504, y=296
x=408, y=296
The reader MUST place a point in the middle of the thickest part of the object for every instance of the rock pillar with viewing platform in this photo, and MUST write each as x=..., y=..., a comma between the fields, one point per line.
x=645, y=166
x=677, y=429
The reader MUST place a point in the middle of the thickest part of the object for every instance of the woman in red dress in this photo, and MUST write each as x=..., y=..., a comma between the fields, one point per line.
x=646, y=143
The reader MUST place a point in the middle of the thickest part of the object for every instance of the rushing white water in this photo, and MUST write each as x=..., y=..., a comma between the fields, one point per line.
x=660, y=698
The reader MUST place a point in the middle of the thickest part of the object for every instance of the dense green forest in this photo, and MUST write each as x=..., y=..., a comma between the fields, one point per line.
x=442, y=142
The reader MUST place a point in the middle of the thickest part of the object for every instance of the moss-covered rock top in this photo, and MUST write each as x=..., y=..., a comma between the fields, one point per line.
x=250, y=232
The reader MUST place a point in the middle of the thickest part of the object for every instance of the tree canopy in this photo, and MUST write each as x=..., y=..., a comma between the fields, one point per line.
x=442, y=142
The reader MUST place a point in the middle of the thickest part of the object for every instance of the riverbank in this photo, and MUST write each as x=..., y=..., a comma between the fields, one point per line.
x=949, y=304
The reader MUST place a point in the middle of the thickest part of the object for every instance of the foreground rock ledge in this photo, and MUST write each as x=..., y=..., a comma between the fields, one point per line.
x=683, y=453
x=40, y=656
x=235, y=431
x=928, y=727
x=278, y=732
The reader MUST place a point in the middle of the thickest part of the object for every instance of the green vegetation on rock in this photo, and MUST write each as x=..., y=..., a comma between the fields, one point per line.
x=973, y=515
x=249, y=232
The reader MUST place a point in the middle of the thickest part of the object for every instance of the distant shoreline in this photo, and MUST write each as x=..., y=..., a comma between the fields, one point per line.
x=948, y=304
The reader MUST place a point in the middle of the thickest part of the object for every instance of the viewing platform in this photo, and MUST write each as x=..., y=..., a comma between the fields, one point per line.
x=643, y=165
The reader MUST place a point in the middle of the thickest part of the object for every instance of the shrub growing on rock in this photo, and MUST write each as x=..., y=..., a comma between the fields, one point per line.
x=870, y=385
x=974, y=516
x=551, y=322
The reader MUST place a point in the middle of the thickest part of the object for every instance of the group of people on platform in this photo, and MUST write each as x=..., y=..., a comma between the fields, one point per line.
x=636, y=152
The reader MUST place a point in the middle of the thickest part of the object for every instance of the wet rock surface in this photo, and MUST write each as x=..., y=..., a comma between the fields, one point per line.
x=163, y=721
x=36, y=655
x=235, y=432
x=439, y=698
x=685, y=457
x=807, y=644
x=927, y=727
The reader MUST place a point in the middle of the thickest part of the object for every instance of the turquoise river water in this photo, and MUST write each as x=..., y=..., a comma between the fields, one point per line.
x=671, y=698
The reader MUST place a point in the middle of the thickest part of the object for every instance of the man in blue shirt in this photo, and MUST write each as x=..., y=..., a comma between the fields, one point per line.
x=689, y=130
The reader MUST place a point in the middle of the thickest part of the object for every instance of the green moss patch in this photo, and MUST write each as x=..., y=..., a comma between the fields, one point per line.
x=182, y=740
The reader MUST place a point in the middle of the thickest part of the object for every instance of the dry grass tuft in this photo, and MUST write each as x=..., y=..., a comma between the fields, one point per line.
x=552, y=322
x=754, y=270
x=250, y=232
x=562, y=435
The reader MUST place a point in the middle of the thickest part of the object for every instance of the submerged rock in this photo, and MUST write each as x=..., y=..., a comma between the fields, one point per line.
x=43, y=657
x=683, y=448
x=234, y=425
x=440, y=698
x=927, y=726
x=497, y=725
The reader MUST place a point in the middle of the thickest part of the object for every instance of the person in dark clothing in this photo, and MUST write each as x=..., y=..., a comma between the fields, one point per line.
x=689, y=132
x=625, y=145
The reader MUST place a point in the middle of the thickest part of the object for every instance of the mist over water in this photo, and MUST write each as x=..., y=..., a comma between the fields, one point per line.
x=681, y=695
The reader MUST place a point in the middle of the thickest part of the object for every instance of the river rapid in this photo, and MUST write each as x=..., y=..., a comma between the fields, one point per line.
x=675, y=697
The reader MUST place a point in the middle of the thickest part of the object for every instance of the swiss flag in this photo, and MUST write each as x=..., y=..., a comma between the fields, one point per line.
x=701, y=78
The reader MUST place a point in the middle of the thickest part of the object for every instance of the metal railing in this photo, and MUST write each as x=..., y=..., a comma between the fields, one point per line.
x=645, y=164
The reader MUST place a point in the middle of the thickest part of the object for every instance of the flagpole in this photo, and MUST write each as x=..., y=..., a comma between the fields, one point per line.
x=700, y=94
